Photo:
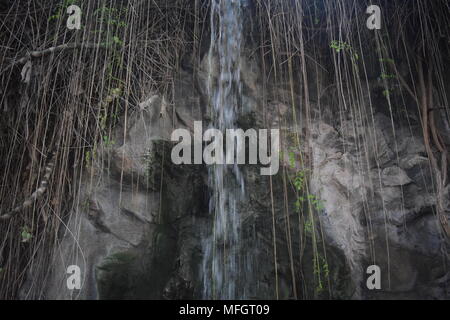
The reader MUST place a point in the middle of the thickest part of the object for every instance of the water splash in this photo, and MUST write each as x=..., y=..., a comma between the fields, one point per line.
x=221, y=271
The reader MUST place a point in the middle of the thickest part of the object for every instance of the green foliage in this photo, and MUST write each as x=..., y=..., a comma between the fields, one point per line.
x=61, y=9
x=291, y=156
x=305, y=199
x=386, y=93
x=385, y=62
x=388, y=60
x=321, y=271
x=88, y=158
x=387, y=76
x=316, y=203
x=108, y=141
x=54, y=17
x=113, y=19
x=108, y=115
x=308, y=226
x=299, y=182
x=111, y=15
x=26, y=234
x=116, y=40
x=339, y=46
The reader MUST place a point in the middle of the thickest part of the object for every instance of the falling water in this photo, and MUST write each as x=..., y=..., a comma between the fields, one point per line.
x=221, y=250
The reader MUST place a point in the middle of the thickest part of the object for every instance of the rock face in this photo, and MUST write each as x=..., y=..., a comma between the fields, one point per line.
x=379, y=206
x=138, y=208
x=140, y=228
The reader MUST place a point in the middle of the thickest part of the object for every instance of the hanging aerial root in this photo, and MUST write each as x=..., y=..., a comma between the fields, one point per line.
x=440, y=174
x=37, y=194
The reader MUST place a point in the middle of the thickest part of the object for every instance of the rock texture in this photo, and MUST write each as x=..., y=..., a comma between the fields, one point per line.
x=140, y=228
x=379, y=206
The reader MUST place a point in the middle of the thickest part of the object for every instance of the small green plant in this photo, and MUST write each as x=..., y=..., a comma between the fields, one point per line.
x=299, y=182
x=88, y=159
x=111, y=15
x=90, y=156
x=304, y=198
x=321, y=271
x=108, y=141
x=387, y=76
x=311, y=199
x=26, y=234
x=387, y=60
x=308, y=226
x=316, y=203
x=339, y=46
x=291, y=156
x=113, y=19
x=116, y=40
x=61, y=9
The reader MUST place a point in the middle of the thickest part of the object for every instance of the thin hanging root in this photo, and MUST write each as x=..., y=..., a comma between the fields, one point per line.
x=37, y=194
x=426, y=102
x=80, y=79
x=429, y=125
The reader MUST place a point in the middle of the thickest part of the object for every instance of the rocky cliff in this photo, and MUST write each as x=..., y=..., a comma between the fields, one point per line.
x=86, y=122
x=140, y=228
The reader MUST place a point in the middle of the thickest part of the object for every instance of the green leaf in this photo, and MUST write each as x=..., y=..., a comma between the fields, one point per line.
x=387, y=76
x=292, y=159
x=389, y=60
x=26, y=235
x=117, y=40
x=54, y=17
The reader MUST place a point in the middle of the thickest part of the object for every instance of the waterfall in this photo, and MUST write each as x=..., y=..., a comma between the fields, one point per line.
x=221, y=264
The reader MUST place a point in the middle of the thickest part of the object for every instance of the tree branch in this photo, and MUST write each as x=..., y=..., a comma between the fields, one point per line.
x=62, y=47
